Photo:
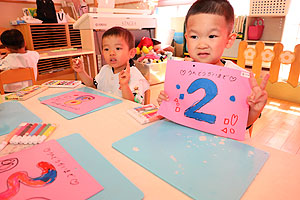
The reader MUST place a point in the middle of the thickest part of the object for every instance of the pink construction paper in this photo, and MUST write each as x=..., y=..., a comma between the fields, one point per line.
x=78, y=102
x=21, y=177
x=225, y=112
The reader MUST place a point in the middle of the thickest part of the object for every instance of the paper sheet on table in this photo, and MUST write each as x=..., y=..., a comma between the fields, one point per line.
x=45, y=171
x=78, y=102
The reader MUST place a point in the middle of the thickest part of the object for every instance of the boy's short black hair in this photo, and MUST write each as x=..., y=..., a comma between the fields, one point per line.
x=121, y=32
x=218, y=7
x=12, y=39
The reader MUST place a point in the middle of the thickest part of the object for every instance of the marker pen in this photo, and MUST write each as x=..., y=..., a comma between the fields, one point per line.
x=12, y=140
x=26, y=141
x=32, y=138
x=47, y=133
x=37, y=138
x=24, y=137
x=19, y=137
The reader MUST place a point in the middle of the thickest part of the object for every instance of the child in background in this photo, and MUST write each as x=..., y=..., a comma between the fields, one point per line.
x=18, y=57
x=117, y=77
x=209, y=25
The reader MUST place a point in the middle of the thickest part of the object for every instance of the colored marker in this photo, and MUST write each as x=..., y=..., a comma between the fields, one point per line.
x=26, y=140
x=47, y=133
x=9, y=136
x=30, y=140
x=25, y=136
x=37, y=138
x=13, y=139
x=30, y=129
x=19, y=137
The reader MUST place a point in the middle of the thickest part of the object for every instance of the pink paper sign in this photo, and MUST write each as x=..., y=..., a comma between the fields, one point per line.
x=207, y=97
x=45, y=171
x=78, y=102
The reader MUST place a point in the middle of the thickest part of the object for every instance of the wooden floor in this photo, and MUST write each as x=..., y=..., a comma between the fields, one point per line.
x=278, y=127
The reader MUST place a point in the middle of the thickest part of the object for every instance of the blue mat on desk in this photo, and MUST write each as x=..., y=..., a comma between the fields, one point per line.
x=70, y=115
x=116, y=186
x=201, y=165
x=13, y=113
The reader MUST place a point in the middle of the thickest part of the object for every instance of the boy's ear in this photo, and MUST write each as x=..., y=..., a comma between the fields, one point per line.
x=132, y=52
x=185, y=35
x=231, y=39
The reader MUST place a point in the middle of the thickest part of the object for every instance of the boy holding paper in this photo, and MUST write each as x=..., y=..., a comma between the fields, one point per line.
x=209, y=25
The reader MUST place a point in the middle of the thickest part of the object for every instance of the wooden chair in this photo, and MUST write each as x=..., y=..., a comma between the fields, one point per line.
x=16, y=75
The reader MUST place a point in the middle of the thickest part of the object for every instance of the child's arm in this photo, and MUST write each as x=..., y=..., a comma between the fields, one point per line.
x=79, y=68
x=258, y=98
x=162, y=97
x=124, y=78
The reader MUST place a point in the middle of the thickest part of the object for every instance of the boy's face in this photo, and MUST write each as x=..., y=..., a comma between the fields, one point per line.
x=207, y=36
x=116, y=52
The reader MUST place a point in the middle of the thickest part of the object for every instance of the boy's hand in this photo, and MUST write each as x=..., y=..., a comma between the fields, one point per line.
x=162, y=97
x=258, y=98
x=77, y=65
x=124, y=77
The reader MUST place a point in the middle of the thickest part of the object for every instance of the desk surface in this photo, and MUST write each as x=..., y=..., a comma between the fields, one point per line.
x=278, y=179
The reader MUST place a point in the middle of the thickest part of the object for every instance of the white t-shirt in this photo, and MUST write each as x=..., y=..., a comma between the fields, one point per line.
x=19, y=60
x=109, y=82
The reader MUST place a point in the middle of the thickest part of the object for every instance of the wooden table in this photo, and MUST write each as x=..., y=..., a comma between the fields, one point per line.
x=278, y=179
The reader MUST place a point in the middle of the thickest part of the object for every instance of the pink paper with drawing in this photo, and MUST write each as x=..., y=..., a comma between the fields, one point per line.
x=78, y=102
x=207, y=97
x=45, y=171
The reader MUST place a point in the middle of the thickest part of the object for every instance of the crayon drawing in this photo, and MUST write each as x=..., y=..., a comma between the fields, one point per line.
x=78, y=102
x=52, y=173
x=207, y=97
x=47, y=176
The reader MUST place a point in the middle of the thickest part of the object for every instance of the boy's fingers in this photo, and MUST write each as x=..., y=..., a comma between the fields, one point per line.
x=264, y=82
x=253, y=82
x=128, y=69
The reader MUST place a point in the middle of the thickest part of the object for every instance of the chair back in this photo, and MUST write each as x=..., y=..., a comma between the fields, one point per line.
x=16, y=75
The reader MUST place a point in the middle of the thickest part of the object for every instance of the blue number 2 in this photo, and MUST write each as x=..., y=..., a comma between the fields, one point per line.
x=211, y=91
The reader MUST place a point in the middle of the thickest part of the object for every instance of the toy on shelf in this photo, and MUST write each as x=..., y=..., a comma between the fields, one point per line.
x=150, y=51
x=145, y=46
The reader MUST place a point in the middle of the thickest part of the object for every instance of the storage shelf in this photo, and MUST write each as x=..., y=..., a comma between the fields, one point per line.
x=273, y=28
x=57, y=45
x=264, y=41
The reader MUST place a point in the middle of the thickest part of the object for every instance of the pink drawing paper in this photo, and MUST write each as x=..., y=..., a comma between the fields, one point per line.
x=78, y=102
x=45, y=171
x=207, y=97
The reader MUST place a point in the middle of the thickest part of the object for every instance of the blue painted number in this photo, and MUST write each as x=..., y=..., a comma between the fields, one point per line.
x=211, y=91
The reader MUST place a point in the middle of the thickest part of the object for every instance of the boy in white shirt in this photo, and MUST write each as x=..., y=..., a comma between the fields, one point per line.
x=18, y=57
x=209, y=25
x=117, y=77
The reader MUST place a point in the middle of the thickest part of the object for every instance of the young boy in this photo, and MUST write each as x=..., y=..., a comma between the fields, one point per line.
x=117, y=77
x=18, y=57
x=209, y=25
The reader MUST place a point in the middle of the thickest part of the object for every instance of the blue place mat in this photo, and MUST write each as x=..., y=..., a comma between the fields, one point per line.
x=116, y=186
x=70, y=115
x=199, y=164
x=13, y=113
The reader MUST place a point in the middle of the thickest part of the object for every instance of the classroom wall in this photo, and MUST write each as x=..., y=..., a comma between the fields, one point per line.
x=10, y=10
